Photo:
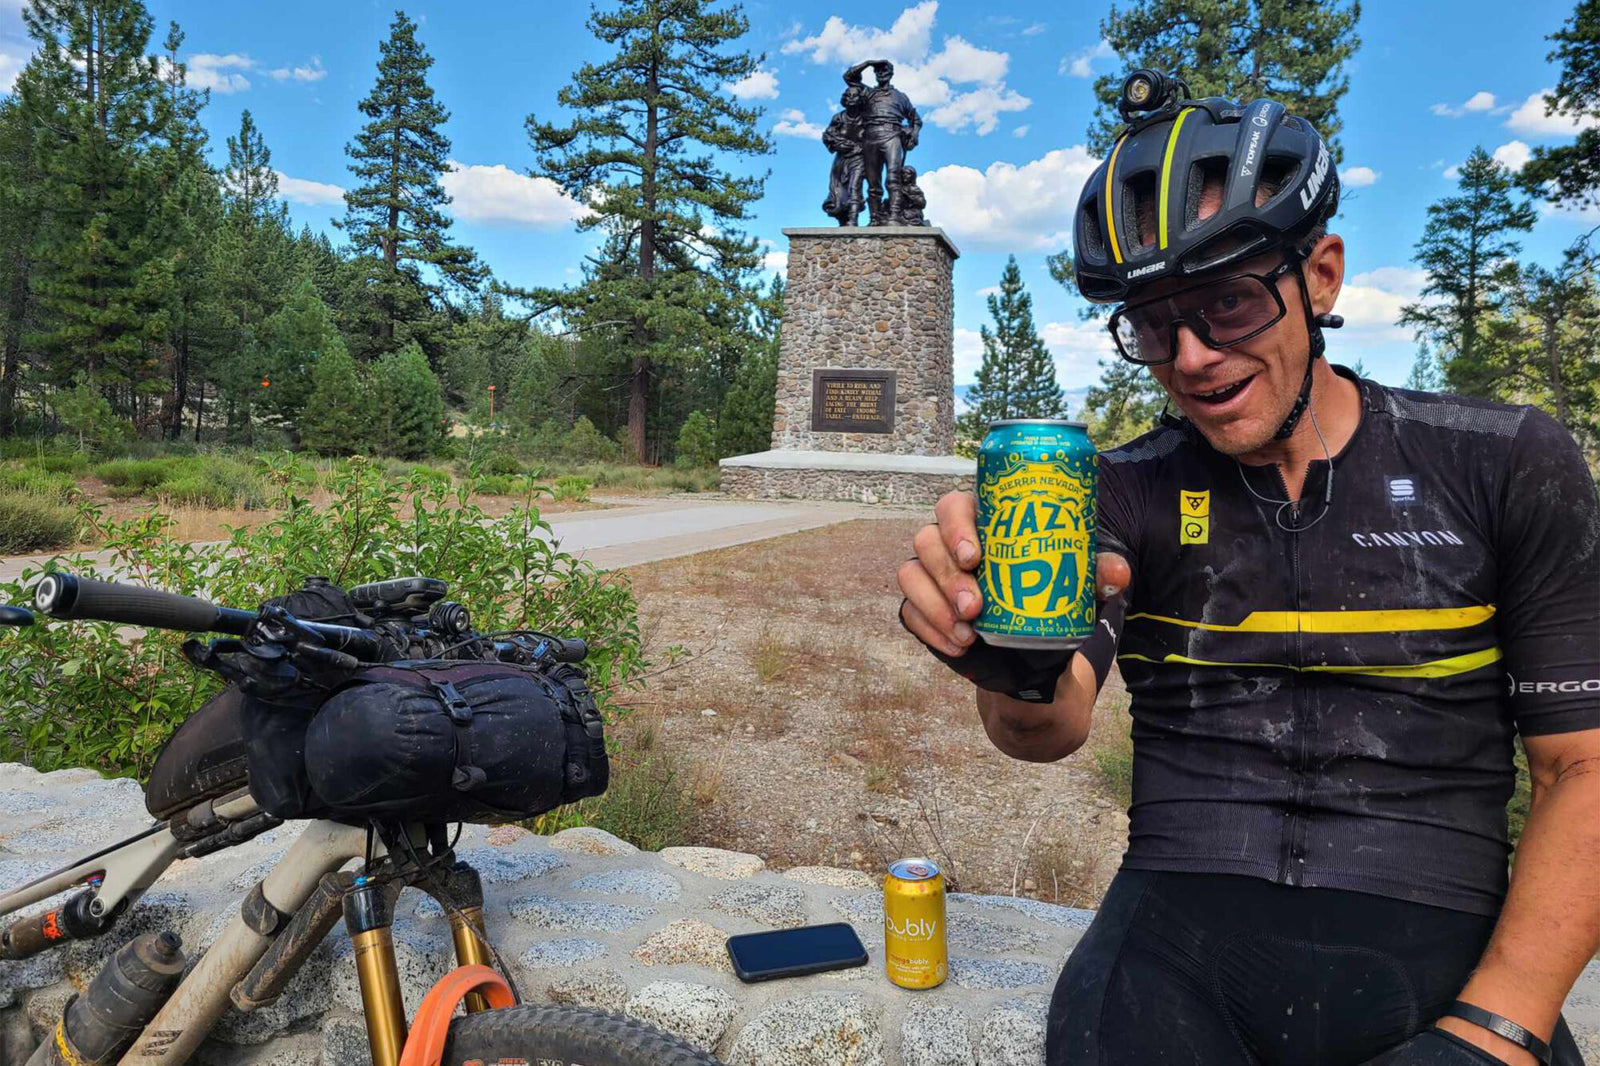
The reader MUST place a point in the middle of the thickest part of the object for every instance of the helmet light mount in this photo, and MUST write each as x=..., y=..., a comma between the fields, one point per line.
x=1149, y=94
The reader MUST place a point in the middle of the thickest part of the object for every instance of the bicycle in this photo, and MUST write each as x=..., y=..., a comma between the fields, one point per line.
x=296, y=904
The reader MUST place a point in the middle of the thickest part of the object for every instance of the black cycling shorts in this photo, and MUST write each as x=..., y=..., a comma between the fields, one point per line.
x=1185, y=969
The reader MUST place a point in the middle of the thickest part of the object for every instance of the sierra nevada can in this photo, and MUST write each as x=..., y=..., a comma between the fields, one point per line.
x=1036, y=525
x=915, y=954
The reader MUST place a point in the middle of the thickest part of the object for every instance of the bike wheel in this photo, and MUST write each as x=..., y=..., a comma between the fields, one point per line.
x=542, y=1032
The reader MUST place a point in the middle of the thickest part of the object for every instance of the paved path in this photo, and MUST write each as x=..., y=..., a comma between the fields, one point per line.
x=643, y=529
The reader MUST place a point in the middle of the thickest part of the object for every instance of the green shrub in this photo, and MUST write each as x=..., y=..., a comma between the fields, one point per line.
x=63, y=488
x=502, y=463
x=501, y=485
x=138, y=475
x=29, y=523
x=586, y=444
x=114, y=697
x=571, y=489
x=697, y=441
x=61, y=462
x=197, y=491
x=648, y=804
x=237, y=484
x=694, y=479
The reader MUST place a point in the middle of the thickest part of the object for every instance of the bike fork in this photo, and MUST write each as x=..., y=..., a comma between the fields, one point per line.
x=369, y=918
x=464, y=888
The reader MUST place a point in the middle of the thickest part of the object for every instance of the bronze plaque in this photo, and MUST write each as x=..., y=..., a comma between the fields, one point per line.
x=852, y=401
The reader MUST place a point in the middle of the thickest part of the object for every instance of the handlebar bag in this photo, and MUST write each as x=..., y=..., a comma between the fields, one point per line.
x=457, y=741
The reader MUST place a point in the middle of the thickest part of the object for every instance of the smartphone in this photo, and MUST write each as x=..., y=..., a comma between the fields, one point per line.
x=793, y=952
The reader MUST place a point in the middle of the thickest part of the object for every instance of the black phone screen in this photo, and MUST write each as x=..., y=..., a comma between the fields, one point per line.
x=790, y=952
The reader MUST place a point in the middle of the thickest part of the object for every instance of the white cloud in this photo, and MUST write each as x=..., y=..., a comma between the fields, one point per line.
x=1478, y=102
x=1077, y=348
x=499, y=196
x=756, y=85
x=315, y=193
x=1033, y=29
x=1451, y=173
x=1529, y=118
x=1021, y=131
x=1513, y=155
x=1078, y=66
x=930, y=78
x=1007, y=207
x=311, y=72
x=772, y=259
x=1358, y=177
x=968, y=353
x=992, y=290
x=10, y=67
x=794, y=124
x=214, y=72
x=1370, y=303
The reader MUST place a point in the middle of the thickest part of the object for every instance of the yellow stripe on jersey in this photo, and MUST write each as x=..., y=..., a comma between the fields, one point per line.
x=1395, y=620
x=1166, y=171
x=1111, y=225
x=1456, y=664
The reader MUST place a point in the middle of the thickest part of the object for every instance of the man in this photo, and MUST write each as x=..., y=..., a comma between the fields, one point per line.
x=843, y=139
x=1325, y=680
x=890, y=128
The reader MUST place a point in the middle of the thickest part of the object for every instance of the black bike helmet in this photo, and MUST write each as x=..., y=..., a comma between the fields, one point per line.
x=1157, y=169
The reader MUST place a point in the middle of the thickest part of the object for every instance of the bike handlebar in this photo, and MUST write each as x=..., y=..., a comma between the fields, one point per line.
x=62, y=595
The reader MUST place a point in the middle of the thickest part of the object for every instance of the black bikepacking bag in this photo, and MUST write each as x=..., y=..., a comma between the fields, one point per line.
x=457, y=741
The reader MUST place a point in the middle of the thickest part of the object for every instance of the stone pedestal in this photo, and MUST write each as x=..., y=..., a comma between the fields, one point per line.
x=865, y=406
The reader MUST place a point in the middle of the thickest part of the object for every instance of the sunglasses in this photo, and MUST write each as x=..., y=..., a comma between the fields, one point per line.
x=1222, y=313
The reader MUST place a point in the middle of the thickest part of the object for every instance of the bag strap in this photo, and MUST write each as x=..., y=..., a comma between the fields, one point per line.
x=465, y=777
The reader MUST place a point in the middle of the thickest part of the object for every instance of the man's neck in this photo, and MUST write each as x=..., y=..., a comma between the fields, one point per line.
x=1336, y=404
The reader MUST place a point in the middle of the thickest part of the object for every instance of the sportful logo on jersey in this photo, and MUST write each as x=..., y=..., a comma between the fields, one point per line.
x=1194, y=516
x=1402, y=489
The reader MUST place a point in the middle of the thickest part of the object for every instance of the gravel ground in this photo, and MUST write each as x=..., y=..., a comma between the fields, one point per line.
x=817, y=732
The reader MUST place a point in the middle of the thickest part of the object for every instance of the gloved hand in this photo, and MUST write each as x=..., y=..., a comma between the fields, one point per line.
x=1435, y=1047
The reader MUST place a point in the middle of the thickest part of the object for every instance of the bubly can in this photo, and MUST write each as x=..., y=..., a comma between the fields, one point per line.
x=915, y=954
x=1036, y=525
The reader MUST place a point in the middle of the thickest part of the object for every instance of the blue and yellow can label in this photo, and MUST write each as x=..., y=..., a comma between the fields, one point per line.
x=1036, y=521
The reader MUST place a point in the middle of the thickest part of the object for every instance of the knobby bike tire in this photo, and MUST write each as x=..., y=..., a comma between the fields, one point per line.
x=541, y=1033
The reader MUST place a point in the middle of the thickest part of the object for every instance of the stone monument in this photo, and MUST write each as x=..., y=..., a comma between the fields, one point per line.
x=865, y=406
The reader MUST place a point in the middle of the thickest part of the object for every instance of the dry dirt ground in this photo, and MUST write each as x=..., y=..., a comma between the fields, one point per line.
x=816, y=731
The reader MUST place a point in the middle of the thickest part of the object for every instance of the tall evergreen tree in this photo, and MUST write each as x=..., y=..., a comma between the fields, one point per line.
x=1469, y=250
x=1293, y=51
x=645, y=152
x=253, y=248
x=94, y=98
x=19, y=228
x=410, y=419
x=1018, y=376
x=1424, y=375
x=1557, y=365
x=395, y=214
x=340, y=412
x=1124, y=403
x=1570, y=173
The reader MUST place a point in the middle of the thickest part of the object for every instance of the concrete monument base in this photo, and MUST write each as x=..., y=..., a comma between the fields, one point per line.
x=861, y=477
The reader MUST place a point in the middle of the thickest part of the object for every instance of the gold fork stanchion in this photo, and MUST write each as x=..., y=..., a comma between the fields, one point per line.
x=368, y=918
x=466, y=925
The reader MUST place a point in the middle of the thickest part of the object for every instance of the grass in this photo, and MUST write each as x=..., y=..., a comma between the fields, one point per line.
x=220, y=481
x=650, y=803
x=1064, y=871
x=35, y=480
x=30, y=522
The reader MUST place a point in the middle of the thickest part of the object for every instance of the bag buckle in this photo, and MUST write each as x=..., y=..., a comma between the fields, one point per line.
x=460, y=710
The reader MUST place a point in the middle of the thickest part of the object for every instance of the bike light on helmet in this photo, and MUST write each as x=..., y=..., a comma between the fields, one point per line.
x=1147, y=92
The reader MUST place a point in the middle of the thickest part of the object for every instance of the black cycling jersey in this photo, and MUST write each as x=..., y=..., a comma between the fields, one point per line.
x=1335, y=706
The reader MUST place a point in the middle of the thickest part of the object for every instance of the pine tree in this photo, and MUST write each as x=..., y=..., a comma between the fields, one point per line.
x=653, y=124
x=745, y=424
x=1123, y=404
x=19, y=228
x=697, y=441
x=1556, y=365
x=410, y=418
x=545, y=386
x=395, y=214
x=1570, y=173
x=1293, y=51
x=1018, y=376
x=95, y=101
x=1425, y=376
x=340, y=411
x=253, y=247
x=287, y=346
x=1469, y=251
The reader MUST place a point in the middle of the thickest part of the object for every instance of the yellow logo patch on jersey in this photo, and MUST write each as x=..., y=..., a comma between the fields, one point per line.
x=1194, y=517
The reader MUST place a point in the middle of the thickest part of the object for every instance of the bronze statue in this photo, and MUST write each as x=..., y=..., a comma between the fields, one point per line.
x=843, y=139
x=912, y=198
x=883, y=127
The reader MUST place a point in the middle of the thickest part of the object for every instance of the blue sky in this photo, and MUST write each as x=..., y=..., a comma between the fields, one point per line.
x=1001, y=87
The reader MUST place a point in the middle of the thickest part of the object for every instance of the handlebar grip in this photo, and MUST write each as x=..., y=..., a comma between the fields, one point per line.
x=62, y=595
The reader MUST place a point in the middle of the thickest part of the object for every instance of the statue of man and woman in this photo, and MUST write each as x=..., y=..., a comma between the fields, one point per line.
x=869, y=138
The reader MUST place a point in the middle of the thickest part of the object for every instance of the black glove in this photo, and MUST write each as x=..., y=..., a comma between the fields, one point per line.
x=1435, y=1047
x=1031, y=676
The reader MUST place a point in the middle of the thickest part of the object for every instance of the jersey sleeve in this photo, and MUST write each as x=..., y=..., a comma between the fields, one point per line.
x=1119, y=508
x=1548, y=546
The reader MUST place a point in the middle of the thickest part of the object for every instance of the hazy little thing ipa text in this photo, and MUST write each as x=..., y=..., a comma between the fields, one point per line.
x=1036, y=525
x=915, y=954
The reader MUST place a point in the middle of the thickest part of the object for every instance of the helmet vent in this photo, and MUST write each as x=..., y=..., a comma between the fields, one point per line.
x=1090, y=236
x=1276, y=175
x=1139, y=209
x=1209, y=173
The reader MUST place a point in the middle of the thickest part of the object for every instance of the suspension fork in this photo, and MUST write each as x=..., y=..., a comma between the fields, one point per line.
x=460, y=893
x=369, y=919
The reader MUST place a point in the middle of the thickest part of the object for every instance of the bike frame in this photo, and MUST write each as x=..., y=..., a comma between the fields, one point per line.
x=205, y=993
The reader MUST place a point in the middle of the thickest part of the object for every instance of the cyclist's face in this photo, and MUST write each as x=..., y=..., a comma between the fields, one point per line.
x=1239, y=396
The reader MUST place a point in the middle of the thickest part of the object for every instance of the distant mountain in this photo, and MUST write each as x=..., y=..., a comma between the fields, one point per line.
x=1074, y=397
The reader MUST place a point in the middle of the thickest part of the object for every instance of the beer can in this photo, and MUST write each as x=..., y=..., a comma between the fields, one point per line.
x=915, y=954
x=1036, y=526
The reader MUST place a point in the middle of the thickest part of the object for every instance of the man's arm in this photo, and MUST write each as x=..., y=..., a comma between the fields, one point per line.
x=1550, y=927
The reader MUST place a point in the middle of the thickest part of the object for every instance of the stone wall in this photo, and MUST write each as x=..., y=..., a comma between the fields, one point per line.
x=870, y=299
x=861, y=486
x=582, y=918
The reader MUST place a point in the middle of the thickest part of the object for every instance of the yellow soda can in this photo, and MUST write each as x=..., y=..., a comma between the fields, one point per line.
x=915, y=952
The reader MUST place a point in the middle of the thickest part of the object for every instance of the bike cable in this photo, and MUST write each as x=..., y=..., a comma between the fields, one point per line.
x=443, y=897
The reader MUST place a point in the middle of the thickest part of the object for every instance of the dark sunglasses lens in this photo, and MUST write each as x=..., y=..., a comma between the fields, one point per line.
x=1232, y=309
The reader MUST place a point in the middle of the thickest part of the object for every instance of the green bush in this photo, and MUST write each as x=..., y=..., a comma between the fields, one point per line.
x=61, y=462
x=195, y=490
x=137, y=475
x=237, y=483
x=697, y=441
x=30, y=523
x=648, y=804
x=62, y=487
x=114, y=697
x=571, y=489
x=501, y=485
x=584, y=444
x=502, y=463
